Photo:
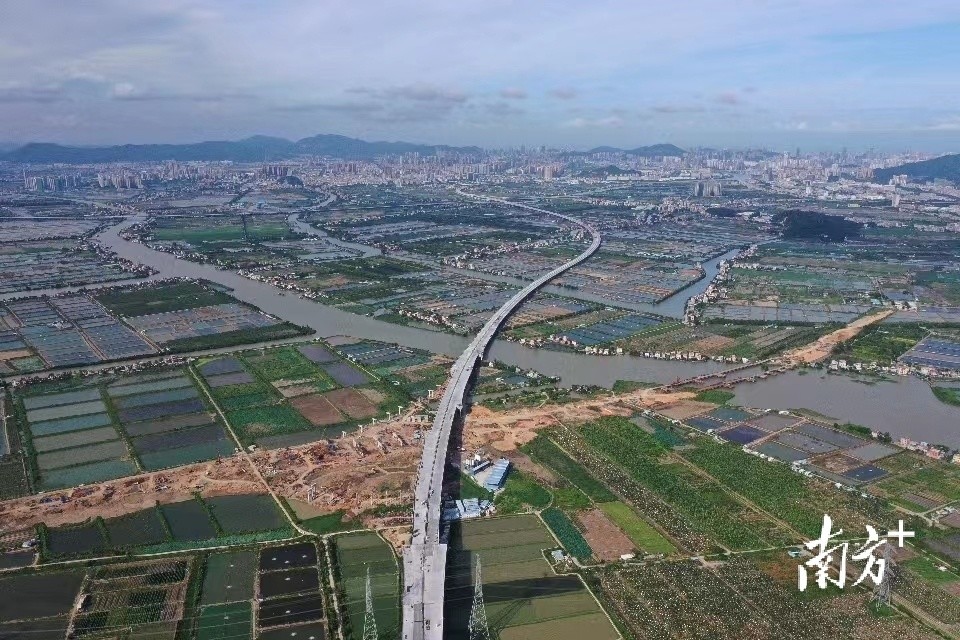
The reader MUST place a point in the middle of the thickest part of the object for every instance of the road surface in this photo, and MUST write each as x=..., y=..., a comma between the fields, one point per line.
x=424, y=561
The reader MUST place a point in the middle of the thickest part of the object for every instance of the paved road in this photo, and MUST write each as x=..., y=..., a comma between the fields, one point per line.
x=424, y=561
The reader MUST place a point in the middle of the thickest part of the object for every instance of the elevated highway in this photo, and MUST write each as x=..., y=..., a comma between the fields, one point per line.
x=424, y=561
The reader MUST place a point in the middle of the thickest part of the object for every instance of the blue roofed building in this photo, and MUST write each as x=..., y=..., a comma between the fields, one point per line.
x=497, y=475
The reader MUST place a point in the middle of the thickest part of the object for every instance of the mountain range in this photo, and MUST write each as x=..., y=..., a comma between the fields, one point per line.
x=253, y=149
x=946, y=167
x=651, y=151
x=262, y=149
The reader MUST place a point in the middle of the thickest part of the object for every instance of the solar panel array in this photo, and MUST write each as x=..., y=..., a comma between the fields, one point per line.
x=51, y=269
x=43, y=329
x=201, y=321
x=610, y=330
x=788, y=312
x=105, y=332
x=70, y=331
x=934, y=352
x=377, y=355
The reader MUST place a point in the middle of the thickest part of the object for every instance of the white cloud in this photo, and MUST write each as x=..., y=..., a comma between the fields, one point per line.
x=606, y=122
x=949, y=124
x=146, y=67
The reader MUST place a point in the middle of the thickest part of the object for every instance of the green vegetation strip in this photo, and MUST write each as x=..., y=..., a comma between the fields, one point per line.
x=569, y=536
x=546, y=452
x=638, y=530
x=715, y=396
x=947, y=395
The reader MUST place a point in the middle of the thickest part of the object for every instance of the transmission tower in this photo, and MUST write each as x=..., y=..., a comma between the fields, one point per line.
x=881, y=592
x=369, y=621
x=478, y=613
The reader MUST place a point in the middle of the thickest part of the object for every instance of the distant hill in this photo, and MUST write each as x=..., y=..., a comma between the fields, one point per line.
x=253, y=149
x=945, y=167
x=652, y=151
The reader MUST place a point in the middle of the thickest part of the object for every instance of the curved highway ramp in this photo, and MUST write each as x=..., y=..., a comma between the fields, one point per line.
x=424, y=561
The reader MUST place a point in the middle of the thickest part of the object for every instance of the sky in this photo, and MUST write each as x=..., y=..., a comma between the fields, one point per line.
x=813, y=74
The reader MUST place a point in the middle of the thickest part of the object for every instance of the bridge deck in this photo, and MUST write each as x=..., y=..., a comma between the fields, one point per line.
x=424, y=561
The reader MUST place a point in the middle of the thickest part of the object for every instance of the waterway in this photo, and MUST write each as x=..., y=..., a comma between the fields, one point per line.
x=902, y=406
x=300, y=226
x=571, y=368
x=673, y=306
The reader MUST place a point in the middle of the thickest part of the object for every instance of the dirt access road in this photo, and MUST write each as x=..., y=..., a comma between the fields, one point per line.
x=823, y=347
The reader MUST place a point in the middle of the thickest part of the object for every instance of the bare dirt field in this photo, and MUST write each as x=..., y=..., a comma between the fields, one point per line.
x=13, y=355
x=687, y=409
x=352, y=402
x=126, y=495
x=294, y=388
x=356, y=473
x=317, y=410
x=712, y=345
x=837, y=462
x=606, y=540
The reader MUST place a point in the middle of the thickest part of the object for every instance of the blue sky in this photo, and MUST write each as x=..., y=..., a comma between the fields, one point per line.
x=816, y=74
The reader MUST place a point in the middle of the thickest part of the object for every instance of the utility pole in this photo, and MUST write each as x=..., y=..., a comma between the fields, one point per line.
x=369, y=621
x=478, y=613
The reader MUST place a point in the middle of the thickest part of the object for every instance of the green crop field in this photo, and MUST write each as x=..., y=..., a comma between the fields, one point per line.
x=356, y=553
x=637, y=529
x=947, y=395
x=568, y=534
x=228, y=577
x=524, y=598
x=264, y=421
x=799, y=501
x=520, y=490
x=935, y=484
x=246, y=513
x=548, y=453
x=238, y=337
x=161, y=298
x=225, y=622
x=282, y=363
x=704, y=503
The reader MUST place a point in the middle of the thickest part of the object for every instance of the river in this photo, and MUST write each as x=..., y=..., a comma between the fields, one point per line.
x=902, y=406
x=328, y=321
x=300, y=226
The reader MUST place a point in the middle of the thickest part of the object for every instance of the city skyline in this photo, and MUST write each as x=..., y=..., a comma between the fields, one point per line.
x=797, y=74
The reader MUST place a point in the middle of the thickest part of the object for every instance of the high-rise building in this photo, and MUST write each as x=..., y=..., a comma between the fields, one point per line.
x=707, y=189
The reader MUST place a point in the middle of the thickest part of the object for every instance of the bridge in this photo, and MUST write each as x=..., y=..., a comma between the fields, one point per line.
x=425, y=560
